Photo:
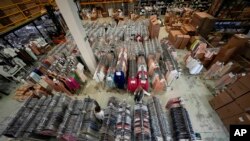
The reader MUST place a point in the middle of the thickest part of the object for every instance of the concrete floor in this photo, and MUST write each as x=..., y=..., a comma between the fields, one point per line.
x=191, y=88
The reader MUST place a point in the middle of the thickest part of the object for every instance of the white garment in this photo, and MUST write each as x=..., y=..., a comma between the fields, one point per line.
x=99, y=115
x=28, y=50
x=9, y=51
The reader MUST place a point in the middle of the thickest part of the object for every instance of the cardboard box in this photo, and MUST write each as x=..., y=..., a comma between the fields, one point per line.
x=188, y=29
x=243, y=118
x=173, y=34
x=230, y=49
x=244, y=101
x=220, y=100
x=237, y=89
x=178, y=41
x=185, y=41
x=229, y=110
x=245, y=80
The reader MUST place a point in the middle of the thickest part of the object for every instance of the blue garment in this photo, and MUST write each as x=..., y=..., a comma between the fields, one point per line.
x=119, y=79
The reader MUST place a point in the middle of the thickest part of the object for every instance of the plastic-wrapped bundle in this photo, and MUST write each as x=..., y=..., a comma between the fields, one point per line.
x=101, y=69
x=110, y=33
x=100, y=48
x=158, y=48
x=149, y=49
x=108, y=126
x=139, y=49
x=141, y=123
x=158, y=81
x=132, y=79
x=131, y=49
x=123, y=124
x=181, y=124
x=145, y=33
x=155, y=110
x=152, y=66
x=154, y=122
x=171, y=65
x=142, y=73
x=110, y=74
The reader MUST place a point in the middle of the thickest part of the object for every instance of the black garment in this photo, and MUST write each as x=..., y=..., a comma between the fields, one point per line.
x=138, y=96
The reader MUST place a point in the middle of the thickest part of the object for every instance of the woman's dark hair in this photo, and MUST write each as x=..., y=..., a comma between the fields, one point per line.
x=97, y=109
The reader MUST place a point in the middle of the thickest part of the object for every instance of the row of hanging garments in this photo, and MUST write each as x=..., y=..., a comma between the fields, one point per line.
x=159, y=123
x=121, y=68
x=107, y=130
x=142, y=129
x=124, y=122
x=71, y=122
x=181, y=124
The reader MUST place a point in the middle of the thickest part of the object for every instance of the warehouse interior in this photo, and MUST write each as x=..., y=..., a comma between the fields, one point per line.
x=123, y=70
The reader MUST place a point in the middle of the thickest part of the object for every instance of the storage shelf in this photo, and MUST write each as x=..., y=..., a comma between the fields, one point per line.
x=30, y=7
x=104, y=2
x=11, y=14
x=34, y=10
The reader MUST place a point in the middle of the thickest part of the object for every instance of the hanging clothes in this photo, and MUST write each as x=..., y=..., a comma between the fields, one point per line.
x=21, y=53
x=132, y=79
x=119, y=79
x=29, y=51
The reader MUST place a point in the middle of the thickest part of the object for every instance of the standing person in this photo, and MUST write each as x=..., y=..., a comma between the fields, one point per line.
x=99, y=114
x=139, y=94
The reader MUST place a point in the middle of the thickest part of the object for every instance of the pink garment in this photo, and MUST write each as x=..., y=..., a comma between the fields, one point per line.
x=73, y=84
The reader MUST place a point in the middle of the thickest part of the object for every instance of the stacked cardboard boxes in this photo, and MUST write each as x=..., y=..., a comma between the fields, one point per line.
x=233, y=104
x=234, y=44
x=154, y=27
x=203, y=22
x=178, y=39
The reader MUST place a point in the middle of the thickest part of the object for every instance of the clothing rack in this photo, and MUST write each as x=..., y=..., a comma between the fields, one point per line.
x=142, y=135
x=123, y=113
x=108, y=124
x=181, y=124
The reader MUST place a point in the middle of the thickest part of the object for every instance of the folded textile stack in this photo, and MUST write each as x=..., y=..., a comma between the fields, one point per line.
x=159, y=122
x=23, y=92
x=182, y=126
x=123, y=123
x=141, y=123
x=194, y=65
x=107, y=130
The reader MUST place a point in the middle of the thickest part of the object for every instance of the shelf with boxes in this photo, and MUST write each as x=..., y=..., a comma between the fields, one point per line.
x=17, y=12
